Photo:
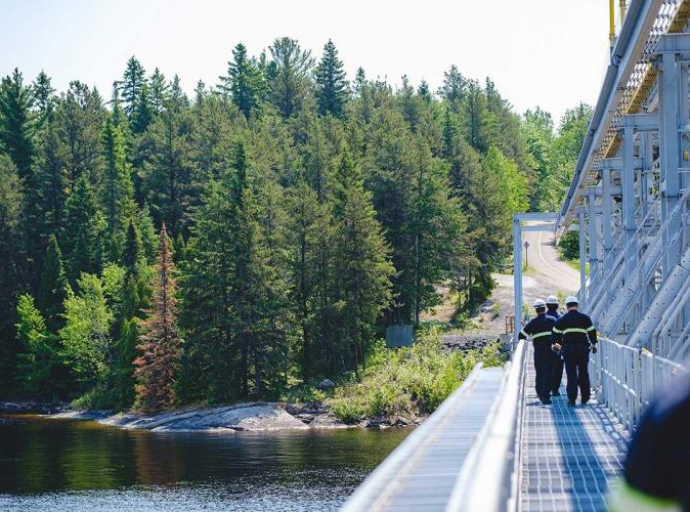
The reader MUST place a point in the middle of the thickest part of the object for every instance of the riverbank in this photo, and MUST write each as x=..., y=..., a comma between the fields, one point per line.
x=250, y=417
x=398, y=388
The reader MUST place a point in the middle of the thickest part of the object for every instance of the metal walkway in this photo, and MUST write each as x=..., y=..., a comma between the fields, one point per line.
x=421, y=473
x=568, y=456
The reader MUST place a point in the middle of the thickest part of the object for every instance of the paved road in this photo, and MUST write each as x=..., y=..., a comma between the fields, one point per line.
x=550, y=273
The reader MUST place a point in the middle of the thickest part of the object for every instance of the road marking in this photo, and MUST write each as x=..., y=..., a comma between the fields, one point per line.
x=541, y=256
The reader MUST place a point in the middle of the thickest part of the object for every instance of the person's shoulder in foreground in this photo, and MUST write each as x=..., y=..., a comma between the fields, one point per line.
x=657, y=469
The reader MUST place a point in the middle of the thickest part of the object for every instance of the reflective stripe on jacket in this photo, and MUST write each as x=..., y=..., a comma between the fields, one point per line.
x=539, y=328
x=574, y=328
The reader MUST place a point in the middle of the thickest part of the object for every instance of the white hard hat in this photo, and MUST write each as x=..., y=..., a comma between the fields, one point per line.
x=572, y=300
x=552, y=299
x=539, y=303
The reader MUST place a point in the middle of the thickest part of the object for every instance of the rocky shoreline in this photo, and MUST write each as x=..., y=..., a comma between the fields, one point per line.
x=249, y=417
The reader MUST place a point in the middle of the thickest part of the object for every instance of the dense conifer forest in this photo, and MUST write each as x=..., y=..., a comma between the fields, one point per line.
x=158, y=248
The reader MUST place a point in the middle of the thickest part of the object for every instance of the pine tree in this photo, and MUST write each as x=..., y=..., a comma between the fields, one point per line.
x=304, y=216
x=331, y=82
x=476, y=117
x=424, y=92
x=160, y=90
x=17, y=125
x=177, y=95
x=38, y=359
x=117, y=114
x=80, y=117
x=118, y=191
x=142, y=111
x=53, y=288
x=11, y=267
x=289, y=82
x=82, y=231
x=159, y=348
x=360, y=82
x=170, y=180
x=362, y=266
x=242, y=82
x=450, y=130
x=131, y=85
x=454, y=85
x=43, y=93
x=436, y=226
x=51, y=180
x=147, y=232
x=410, y=104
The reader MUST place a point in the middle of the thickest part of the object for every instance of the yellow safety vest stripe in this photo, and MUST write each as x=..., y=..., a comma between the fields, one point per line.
x=625, y=498
x=541, y=334
x=575, y=329
x=557, y=330
x=524, y=333
x=590, y=328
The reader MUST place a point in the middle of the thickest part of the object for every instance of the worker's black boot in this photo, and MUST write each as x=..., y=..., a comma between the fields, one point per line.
x=571, y=403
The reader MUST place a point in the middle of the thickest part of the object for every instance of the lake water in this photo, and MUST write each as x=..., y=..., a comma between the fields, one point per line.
x=65, y=465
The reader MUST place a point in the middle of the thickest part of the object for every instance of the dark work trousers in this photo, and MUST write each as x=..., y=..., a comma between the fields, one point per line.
x=543, y=366
x=557, y=371
x=576, y=361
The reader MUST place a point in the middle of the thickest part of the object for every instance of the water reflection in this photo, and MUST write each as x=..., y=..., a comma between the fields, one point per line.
x=71, y=465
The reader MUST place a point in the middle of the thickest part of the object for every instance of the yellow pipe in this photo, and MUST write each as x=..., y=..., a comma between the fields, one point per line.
x=612, y=23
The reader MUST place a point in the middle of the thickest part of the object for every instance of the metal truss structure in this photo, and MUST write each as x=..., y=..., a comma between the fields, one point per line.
x=630, y=196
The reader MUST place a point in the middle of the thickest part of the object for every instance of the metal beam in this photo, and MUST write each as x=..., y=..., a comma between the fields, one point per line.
x=641, y=122
x=535, y=216
x=539, y=227
x=517, y=274
x=616, y=164
x=583, y=256
x=629, y=47
x=593, y=244
x=674, y=44
x=669, y=141
x=606, y=220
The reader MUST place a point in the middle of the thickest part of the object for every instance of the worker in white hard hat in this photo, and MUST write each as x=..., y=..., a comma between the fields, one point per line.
x=574, y=334
x=552, y=310
x=539, y=329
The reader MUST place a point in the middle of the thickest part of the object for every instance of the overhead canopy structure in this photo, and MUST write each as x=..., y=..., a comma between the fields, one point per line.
x=629, y=81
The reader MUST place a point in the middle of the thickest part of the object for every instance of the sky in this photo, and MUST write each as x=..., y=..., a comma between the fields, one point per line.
x=547, y=53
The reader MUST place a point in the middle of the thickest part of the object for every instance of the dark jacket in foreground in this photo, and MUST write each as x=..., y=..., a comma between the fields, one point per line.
x=574, y=328
x=540, y=329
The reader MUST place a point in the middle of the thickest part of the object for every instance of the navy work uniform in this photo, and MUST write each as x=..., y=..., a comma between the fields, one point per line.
x=573, y=334
x=552, y=310
x=539, y=328
x=657, y=469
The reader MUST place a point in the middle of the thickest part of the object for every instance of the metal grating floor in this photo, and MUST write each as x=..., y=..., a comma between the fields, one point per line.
x=569, y=457
x=428, y=480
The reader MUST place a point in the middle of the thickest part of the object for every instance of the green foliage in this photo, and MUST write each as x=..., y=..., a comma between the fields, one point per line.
x=569, y=246
x=131, y=85
x=38, y=358
x=86, y=336
x=244, y=82
x=16, y=123
x=53, y=289
x=305, y=216
x=407, y=381
x=331, y=82
x=288, y=75
x=118, y=197
x=11, y=266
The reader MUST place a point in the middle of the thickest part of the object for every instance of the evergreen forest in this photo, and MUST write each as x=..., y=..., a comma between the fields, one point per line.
x=160, y=248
